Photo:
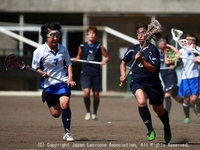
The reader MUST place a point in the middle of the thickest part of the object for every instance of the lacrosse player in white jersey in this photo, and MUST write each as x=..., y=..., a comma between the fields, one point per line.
x=189, y=86
x=53, y=59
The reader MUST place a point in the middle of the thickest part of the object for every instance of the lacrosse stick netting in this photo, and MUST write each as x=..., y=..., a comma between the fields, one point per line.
x=11, y=61
x=183, y=43
x=176, y=35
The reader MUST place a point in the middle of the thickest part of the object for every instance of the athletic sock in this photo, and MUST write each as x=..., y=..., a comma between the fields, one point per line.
x=165, y=118
x=186, y=110
x=146, y=117
x=66, y=119
x=168, y=103
x=87, y=104
x=95, y=106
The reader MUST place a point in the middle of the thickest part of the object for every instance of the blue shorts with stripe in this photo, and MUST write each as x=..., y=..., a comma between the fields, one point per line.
x=189, y=87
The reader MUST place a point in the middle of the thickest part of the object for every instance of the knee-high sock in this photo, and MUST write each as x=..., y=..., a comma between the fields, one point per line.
x=87, y=104
x=165, y=118
x=95, y=106
x=168, y=103
x=66, y=119
x=186, y=110
x=146, y=117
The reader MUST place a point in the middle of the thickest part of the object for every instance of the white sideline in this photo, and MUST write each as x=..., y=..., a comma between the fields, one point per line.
x=38, y=93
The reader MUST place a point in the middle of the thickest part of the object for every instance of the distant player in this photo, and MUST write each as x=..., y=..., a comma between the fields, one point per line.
x=169, y=75
x=146, y=83
x=53, y=59
x=189, y=86
x=91, y=73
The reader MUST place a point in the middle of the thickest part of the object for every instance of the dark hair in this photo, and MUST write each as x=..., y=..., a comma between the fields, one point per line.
x=192, y=35
x=142, y=25
x=93, y=28
x=162, y=40
x=51, y=26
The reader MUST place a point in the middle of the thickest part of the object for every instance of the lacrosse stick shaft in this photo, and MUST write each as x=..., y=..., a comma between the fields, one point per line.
x=164, y=68
x=187, y=47
x=87, y=61
x=132, y=65
x=49, y=76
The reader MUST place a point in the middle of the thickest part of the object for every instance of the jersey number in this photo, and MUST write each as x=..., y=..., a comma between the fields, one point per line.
x=56, y=61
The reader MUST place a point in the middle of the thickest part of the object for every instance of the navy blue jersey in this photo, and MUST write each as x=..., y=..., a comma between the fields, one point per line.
x=91, y=52
x=140, y=75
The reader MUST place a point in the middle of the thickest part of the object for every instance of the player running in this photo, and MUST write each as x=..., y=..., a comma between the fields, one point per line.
x=168, y=73
x=51, y=58
x=146, y=83
x=189, y=87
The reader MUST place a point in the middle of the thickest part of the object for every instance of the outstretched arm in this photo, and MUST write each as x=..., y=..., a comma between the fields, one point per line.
x=178, y=54
x=78, y=56
x=123, y=72
x=105, y=54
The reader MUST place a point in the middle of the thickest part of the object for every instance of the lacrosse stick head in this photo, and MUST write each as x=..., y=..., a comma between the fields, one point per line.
x=176, y=34
x=153, y=28
x=11, y=61
x=183, y=43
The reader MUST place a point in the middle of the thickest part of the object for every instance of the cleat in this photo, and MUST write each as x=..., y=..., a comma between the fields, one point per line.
x=167, y=134
x=151, y=135
x=68, y=137
x=186, y=120
x=94, y=117
x=87, y=116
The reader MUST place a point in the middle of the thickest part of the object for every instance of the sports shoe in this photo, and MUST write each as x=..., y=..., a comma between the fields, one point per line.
x=68, y=137
x=87, y=116
x=186, y=120
x=151, y=135
x=94, y=117
x=197, y=109
x=167, y=133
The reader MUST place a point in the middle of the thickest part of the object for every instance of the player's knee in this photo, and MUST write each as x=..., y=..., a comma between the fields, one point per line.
x=142, y=103
x=55, y=115
x=64, y=105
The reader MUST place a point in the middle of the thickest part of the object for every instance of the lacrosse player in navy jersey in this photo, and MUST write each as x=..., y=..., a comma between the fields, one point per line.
x=53, y=59
x=91, y=73
x=168, y=73
x=145, y=83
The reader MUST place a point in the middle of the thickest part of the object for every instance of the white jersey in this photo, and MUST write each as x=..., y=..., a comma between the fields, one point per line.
x=52, y=63
x=189, y=69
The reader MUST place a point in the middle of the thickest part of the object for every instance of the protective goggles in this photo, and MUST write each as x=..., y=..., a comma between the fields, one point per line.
x=53, y=34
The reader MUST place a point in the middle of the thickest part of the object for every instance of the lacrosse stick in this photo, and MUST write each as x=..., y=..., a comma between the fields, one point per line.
x=11, y=61
x=87, y=61
x=176, y=34
x=183, y=43
x=153, y=27
x=182, y=57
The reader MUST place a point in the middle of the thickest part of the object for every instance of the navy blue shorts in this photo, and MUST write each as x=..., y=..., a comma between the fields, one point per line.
x=92, y=82
x=155, y=94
